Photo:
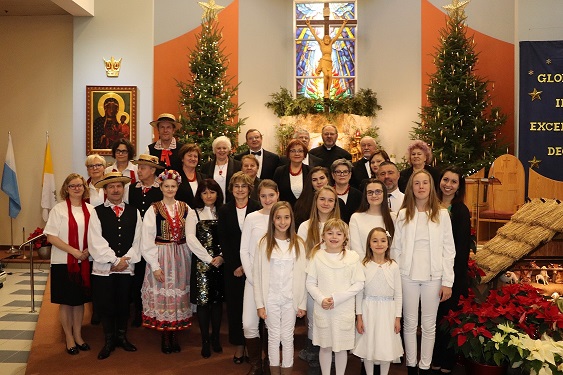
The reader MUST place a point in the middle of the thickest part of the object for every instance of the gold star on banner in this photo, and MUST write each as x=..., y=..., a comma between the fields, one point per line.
x=548, y=61
x=210, y=9
x=456, y=8
x=535, y=94
x=534, y=163
x=531, y=72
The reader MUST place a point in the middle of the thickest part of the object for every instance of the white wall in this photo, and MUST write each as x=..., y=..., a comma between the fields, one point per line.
x=389, y=45
x=36, y=97
x=122, y=29
x=265, y=61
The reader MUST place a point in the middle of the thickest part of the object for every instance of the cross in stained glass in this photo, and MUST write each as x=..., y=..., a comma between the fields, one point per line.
x=325, y=62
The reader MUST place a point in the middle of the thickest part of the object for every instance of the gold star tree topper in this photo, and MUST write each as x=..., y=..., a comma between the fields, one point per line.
x=457, y=8
x=210, y=9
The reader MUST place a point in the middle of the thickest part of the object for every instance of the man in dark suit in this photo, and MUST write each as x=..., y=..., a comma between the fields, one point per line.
x=310, y=160
x=268, y=161
x=361, y=169
x=329, y=151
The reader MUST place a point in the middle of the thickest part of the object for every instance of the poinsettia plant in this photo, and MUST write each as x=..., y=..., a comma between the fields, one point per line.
x=475, y=325
x=40, y=242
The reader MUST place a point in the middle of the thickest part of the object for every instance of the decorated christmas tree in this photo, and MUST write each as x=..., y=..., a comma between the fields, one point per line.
x=459, y=121
x=207, y=105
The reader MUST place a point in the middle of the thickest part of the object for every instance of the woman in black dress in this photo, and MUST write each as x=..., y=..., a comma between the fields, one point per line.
x=231, y=214
x=451, y=194
x=206, y=285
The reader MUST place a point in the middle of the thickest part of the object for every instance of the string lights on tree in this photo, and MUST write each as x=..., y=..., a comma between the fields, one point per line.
x=459, y=120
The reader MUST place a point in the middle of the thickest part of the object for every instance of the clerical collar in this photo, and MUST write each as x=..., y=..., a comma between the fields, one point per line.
x=328, y=148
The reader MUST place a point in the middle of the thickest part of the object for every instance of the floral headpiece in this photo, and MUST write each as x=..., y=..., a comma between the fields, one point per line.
x=169, y=174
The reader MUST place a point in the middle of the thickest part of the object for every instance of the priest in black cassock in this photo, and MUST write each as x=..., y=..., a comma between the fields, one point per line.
x=329, y=151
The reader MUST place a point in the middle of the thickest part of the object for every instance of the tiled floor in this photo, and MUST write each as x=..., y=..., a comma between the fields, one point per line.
x=17, y=323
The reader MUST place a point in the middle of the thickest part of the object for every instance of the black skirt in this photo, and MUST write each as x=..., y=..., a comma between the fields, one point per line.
x=64, y=291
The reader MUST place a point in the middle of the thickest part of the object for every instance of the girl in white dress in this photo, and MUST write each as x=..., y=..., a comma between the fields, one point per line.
x=373, y=212
x=254, y=228
x=324, y=207
x=378, y=307
x=334, y=278
x=279, y=285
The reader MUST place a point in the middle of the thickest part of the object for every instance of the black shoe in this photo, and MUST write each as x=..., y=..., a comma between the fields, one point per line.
x=412, y=370
x=109, y=347
x=72, y=351
x=238, y=360
x=84, y=347
x=165, y=344
x=205, y=349
x=122, y=341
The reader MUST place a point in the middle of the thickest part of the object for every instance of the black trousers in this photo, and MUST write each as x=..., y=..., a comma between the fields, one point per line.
x=138, y=279
x=111, y=296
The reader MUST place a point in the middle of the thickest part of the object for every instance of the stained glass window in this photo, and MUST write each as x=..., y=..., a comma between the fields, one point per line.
x=325, y=19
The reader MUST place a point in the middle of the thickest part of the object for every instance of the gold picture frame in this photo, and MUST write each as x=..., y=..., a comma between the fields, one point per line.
x=102, y=129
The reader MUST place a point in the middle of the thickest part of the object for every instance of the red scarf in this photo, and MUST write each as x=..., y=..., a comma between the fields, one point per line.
x=78, y=272
x=165, y=157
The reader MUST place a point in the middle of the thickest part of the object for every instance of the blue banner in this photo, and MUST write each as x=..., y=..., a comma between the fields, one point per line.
x=541, y=107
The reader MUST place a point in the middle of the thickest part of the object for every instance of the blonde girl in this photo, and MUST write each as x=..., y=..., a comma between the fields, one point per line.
x=324, y=207
x=378, y=307
x=334, y=278
x=279, y=285
x=424, y=248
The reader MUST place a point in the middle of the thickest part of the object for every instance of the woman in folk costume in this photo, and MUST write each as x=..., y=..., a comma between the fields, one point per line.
x=166, y=287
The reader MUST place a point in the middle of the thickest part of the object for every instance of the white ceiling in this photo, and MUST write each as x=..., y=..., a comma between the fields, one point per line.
x=32, y=8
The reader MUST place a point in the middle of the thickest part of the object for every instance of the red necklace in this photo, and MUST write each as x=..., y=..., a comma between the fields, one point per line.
x=345, y=191
x=240, y=208
x=296, y=173
x=194, y=178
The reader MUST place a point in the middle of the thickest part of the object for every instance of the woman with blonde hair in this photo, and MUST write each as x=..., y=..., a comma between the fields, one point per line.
x=423, y=246
x=67, y=231
x=222, y=167
x=95, y=166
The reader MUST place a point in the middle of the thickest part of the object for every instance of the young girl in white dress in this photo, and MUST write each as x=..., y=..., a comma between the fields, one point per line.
x=325, y=206
x=334, y=277
x=279, y=285
x=378, y=307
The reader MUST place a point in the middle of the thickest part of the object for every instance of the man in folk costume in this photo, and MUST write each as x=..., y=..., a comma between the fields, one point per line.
x=113, y=241
x=141, y=196
x=166, y=148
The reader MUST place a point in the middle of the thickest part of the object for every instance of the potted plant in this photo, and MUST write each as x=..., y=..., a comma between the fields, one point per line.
x=480, y=327
x=41, y=245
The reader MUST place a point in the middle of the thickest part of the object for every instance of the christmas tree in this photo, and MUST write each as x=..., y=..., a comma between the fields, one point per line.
x=207, y=105
x=459, y=121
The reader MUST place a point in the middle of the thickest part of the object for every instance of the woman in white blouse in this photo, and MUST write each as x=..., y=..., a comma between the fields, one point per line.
x=372, y=213
x=123, y=152
x=66, y=230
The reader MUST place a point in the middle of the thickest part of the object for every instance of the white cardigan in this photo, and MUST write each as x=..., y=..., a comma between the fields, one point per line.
x=261, y=273
x=442, y=248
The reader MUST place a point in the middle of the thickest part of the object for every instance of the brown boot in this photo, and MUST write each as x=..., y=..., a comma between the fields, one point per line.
x=286, y=370
x=254, y=357
x=275, y=370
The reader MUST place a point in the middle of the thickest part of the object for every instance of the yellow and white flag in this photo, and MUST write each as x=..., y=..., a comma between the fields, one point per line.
x=48, y=191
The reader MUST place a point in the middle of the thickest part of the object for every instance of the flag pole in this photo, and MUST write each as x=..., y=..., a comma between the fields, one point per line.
x=12, y=248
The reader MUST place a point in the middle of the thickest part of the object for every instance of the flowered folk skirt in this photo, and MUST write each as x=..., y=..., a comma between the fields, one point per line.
x=166, y=306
